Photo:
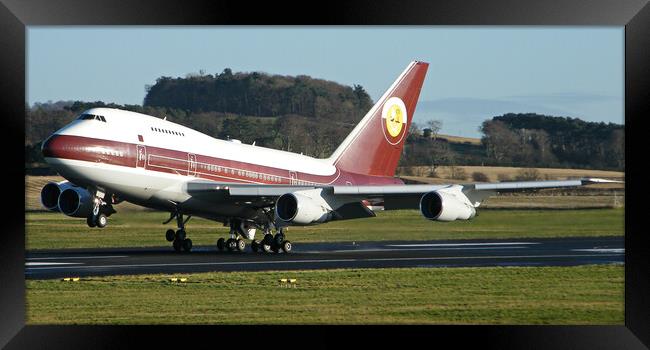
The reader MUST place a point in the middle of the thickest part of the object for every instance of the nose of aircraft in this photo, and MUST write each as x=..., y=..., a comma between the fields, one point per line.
x=52, y=147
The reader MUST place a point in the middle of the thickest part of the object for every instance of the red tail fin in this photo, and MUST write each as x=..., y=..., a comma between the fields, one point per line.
x=376, y=143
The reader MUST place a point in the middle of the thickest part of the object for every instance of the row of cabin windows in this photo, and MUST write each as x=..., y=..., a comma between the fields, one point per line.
x=171, y=132
x=251, y=174
x=92, y=117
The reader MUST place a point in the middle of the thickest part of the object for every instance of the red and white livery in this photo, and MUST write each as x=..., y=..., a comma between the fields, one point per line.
x=110, y=155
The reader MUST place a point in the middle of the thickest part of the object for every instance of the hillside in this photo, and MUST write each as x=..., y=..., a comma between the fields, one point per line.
x=312, y=116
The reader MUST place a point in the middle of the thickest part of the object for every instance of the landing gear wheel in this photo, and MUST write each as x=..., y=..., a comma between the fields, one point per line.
x=255, y=246
x=187, y=245
x=241, y=245
x=90, y=221
x=266, y=247
x=101, y=221
x=268, y=238
x=221, y=243
x=278, y=239
x=180, y=235
x=231, y=244
x=286, y=246
x=177, y=245
x=169, y=235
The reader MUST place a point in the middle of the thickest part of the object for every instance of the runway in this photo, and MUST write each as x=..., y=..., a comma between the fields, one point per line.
x=458, y=253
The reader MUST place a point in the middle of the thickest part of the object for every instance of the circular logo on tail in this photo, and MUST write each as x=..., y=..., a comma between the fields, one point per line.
x=395, y=119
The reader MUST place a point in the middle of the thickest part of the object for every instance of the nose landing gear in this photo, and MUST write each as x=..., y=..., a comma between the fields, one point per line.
x=101, y=211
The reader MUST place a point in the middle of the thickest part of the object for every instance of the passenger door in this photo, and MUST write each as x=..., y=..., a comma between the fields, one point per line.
x=141, y=156
x=191, y=171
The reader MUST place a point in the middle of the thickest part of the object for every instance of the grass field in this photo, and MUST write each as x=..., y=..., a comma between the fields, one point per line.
x=144, y=228
x=501, y=295
x=493, y=172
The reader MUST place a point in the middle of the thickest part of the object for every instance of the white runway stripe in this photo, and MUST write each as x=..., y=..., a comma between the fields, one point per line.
x=48, y=263
x=458, y=244
x=80, y=257
x=409, y=249
x=601, y=250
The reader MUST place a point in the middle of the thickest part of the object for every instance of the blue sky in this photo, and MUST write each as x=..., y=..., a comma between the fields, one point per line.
x=475, y=72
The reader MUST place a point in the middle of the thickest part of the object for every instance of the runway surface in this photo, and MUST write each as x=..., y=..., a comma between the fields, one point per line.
x=459, y=253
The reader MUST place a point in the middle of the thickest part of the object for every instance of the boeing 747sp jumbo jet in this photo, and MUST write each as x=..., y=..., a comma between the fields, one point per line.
x=110, y=155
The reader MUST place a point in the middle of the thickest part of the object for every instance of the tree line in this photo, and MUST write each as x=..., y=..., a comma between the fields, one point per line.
x=530, y=139
x=312, y=116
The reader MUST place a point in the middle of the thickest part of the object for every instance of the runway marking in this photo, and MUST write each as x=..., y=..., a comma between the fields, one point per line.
x=325, y=261
x=48, y=263
x=404, y=250
x=81, y=257
x=601, y=250
x=457, y=244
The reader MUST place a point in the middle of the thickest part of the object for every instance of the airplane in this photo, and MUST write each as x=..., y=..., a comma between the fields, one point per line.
x=110, y=155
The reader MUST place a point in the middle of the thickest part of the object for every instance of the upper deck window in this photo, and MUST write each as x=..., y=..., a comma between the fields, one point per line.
x=86, y=116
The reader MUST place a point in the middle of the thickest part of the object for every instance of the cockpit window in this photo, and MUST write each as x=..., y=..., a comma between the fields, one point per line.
x=86, y=116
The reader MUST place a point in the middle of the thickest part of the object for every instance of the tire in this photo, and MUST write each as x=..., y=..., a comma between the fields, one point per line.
x=101, y=221
x=90, y=221
x=266, y=247
x=180, y=234
x=177, y=245
x=221, y=243
x=187, y=245
x=241, y=245
x=278, y=239
x=286, y=246
x=170, y=235
x=230, y=244
x=268, y=238
x=255, y=246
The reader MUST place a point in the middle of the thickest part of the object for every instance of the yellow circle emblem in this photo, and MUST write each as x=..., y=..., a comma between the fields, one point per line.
x=394, y=120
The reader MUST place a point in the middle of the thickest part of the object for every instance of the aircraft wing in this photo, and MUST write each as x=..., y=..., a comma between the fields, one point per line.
x=391, y=196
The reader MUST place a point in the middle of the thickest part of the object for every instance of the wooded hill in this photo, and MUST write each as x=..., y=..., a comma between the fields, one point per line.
x=312, y=116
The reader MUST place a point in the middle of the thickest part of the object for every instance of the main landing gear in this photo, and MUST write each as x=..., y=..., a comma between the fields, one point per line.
x=270, y=243
x=179, y=239
x=235, y=242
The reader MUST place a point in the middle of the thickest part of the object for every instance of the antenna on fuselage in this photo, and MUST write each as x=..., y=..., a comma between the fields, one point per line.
x=165, y=118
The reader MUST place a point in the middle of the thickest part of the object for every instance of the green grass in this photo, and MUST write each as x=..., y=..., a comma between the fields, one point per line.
x=143, y=228
x=590, y=294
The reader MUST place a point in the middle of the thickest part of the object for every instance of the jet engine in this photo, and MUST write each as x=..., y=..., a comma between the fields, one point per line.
x=303, y=208
x=446, y=206
x=50, y=194
x=76, y=202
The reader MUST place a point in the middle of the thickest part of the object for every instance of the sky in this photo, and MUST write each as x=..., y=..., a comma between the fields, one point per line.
x=475, y=73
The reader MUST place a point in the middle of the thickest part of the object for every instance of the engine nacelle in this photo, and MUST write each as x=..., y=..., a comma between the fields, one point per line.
x=446, y=206
x=303, y=208
x=50, y=194
x=76, y=202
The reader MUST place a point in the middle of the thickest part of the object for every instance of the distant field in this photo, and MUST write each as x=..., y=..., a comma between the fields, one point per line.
x=144, y=228
x=444, y=174
x=460, y=139
x=580, y=295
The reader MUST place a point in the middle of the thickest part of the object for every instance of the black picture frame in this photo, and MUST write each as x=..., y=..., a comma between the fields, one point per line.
x=15, y=15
